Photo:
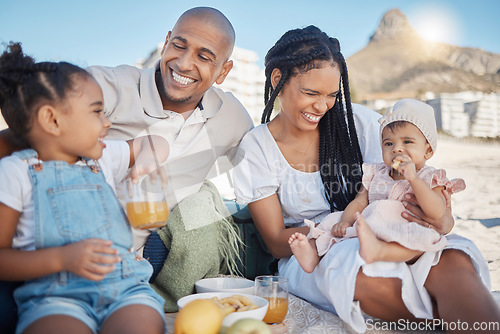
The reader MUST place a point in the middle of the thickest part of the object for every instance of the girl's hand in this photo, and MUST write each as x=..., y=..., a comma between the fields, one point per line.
x=338, y=230
x=406, y=168
x=90, y=258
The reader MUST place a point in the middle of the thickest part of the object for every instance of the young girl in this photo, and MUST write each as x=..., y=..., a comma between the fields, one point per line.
x=409, y=138
x=63, y=231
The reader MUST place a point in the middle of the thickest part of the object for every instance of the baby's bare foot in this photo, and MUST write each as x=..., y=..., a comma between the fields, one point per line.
x=370, y=247
x=304, y=252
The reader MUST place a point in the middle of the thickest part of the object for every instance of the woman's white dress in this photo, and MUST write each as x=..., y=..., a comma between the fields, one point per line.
x=263, y=171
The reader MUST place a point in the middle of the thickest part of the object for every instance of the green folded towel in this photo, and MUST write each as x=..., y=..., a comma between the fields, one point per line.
x=203, y=241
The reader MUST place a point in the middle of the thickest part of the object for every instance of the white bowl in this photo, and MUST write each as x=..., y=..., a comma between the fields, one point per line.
x=236, y=285
x=231, y=318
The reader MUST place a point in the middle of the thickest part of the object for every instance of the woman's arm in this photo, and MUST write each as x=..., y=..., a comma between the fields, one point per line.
x=267, y=216
x=92, y=258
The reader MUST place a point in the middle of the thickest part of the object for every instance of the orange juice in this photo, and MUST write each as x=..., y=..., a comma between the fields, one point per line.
x=278, y=307
x=144, y=215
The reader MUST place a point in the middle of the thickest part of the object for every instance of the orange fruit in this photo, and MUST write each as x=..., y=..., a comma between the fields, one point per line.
x=199, y=316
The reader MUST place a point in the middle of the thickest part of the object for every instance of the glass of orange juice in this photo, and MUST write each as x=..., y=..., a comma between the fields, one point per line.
x=275, y=290
x=146, y=204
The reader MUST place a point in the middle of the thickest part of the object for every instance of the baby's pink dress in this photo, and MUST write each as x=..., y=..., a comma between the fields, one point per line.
x=383, y=212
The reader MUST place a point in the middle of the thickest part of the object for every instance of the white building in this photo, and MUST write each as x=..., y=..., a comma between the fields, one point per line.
x=379, y=105
x=450, y=115
x=464, y=114
x=484, y=116
x=245, y=80
x=151, y=59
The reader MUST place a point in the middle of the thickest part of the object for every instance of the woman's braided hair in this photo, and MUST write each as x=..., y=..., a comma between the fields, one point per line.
x=26, y=85
x=299, y=51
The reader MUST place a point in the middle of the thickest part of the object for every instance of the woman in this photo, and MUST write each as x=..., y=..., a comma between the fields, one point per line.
x=306, y=163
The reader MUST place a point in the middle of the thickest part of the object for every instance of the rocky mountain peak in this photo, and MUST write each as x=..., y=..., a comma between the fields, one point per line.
x=394, y=24
x=397, y=63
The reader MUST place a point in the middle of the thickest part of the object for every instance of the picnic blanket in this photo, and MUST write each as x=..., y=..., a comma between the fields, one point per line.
x=305, y=318
x=203, y=242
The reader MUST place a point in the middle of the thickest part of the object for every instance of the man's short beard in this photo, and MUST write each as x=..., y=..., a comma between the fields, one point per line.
x=179, y=100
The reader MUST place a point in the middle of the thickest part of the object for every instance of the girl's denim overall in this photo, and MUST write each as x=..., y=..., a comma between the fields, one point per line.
x=73, y=203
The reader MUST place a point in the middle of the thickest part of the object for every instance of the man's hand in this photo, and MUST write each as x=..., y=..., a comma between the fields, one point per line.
x=442, y=225
x=147, y=157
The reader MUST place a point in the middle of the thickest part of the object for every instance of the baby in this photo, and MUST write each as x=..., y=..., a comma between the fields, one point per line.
x=409, y=139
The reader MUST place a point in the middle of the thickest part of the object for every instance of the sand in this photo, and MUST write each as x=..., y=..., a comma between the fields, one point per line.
x=477, y=208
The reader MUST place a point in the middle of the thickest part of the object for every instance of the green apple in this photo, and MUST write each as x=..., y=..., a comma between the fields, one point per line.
x=249, y=326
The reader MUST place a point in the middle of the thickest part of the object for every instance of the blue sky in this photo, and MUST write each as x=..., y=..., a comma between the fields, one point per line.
x=112, y=32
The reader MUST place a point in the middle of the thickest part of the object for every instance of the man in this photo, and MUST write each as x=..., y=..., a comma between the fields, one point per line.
x=175, y=99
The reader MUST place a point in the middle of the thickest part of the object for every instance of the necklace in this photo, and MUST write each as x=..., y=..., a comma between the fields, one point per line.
x=304, y=152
